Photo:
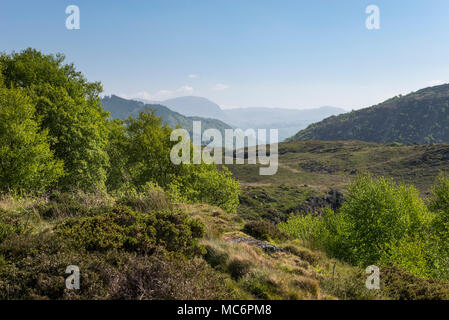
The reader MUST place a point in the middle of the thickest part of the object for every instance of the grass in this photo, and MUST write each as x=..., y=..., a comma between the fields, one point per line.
x=35, y=262
x=321, y=165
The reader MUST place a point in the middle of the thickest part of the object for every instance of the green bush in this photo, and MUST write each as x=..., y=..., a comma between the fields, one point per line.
x=379, y=223
x=70, y=111
x=33, y=267
x=27, y=163
x=238, y=268
x=307, y=228
x=403, y=285
x=142, y=157
x=379, y=214
x=10, y=225
x=131, y=230
x=440, y=206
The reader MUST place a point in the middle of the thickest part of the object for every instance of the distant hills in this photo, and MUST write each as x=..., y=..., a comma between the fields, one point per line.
x=122, y=108
x=419, y=117
x=288, y=121
x=179, y=110
x=195, y=106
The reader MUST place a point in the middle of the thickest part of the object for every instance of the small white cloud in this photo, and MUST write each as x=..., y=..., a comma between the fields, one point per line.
x=185, y=90
x=161, y=94
x=220, y=87
x=436, y=82
x=193, y=76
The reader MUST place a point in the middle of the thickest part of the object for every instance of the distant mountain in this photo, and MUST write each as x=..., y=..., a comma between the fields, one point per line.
x=419, y=117
x=122, y=108
x=195, y=106
x=287, y=121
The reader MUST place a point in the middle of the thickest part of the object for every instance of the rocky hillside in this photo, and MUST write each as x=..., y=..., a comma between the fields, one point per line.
x=419, y=117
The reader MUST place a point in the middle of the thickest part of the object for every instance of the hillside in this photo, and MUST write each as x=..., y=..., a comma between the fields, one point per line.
x=122, y=108
x=419, y=117
x=195, y=106
x=309, y=170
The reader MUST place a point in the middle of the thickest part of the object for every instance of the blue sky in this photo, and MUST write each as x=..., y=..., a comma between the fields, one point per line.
x=243, y=53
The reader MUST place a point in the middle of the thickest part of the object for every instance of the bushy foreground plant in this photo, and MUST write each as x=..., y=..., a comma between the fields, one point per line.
x=379, y=223
x=121, y=253
x=124, y=228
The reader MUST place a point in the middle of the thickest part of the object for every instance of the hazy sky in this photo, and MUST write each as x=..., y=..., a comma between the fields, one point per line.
x=244, y=53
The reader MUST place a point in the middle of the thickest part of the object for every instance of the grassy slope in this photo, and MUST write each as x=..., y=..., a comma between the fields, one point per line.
x=307, y=169
x=245, y=269
x=321, y=165
x=311, y=168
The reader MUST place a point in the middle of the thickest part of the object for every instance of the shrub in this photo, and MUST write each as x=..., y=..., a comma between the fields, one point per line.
x=163, y=276
x=403, y=285
x=238, y=268
x=146, y=147
x=307, y=228
x=75, y=204
x=380, y=222
x=33, y=267
x=10, y=225
x=379, y=214
x=440, y=226
x=134, y=231
x=27, y=163
x=263, y=230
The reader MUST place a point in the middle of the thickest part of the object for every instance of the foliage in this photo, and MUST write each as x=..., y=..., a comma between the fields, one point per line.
x=208, y=184
x=26, y=161
x=307, y=228
x=403, y=285
x=33, y=267
x=10, y=225
x=69, y=108
x=440, y=205
x=379, y=223
x=131, y=230
x=379, y=214
x=145, y=145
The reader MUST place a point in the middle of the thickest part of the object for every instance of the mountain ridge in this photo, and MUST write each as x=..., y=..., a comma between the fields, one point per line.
x=121, y=108
x=419, y=117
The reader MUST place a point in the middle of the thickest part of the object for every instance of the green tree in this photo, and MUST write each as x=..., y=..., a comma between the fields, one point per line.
x=440, y=205
x=117, y=175
x=379, y=214
x=146, y=148
x=69, y=107
x=26, y=162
